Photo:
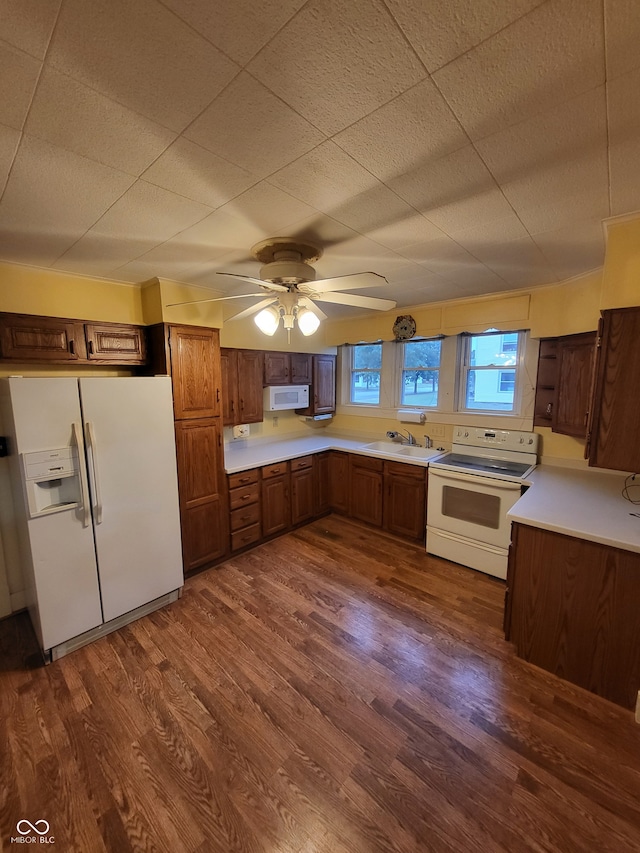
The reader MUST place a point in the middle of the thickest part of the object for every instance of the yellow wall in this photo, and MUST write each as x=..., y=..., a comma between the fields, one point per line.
x=621, y=281
x=567, y=308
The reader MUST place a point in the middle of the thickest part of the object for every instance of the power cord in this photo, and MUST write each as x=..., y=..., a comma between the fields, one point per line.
x=628, y=489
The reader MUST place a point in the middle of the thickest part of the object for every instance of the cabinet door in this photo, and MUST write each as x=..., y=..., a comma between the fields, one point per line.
x=107, y=342
x=195, y=369
x=201, y=487
x=365, y=490
x=324, y=384
x=616, y=406
x=276, y=511
x=405, y=500
x=302, y=495
x=26, y=338
x=574, y=371
x=276, y=368
x=546, y=383
x=229, y=384
x=339, y=481
x=321, y=473
x=249, y=385
x=301, y=370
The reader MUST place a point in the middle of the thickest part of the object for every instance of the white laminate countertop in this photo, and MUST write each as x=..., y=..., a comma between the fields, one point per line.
x=242, y=455
x=585, y=503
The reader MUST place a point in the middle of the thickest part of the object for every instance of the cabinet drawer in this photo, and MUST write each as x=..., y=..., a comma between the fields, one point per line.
x=243, y=497
x=366, y=462
x=245, y=516
x=274, y=470
x=245, y=537
x=243, y=478
x=302, y=463
x=401, y=469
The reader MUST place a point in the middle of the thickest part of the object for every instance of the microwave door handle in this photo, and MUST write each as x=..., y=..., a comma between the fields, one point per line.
x=84, y=492
x=93, y=447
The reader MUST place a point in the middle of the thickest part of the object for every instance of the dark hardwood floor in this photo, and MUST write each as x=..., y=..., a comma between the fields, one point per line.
x=332, y=691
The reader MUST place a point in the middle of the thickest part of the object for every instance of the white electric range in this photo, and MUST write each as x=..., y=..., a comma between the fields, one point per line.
x=471, y=490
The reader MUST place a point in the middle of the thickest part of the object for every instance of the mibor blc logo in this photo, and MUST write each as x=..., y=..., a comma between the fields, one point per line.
x=33, y=833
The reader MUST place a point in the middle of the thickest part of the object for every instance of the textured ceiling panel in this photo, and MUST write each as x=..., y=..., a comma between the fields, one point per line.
x=459, y=148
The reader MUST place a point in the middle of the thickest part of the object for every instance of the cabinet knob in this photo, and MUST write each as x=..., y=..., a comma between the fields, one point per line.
x=549, y=408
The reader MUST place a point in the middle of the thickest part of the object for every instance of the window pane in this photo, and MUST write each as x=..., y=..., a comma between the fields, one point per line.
x=493, y=350
x=484, y=390
x=365, y=387
x=422, y=354
x=419, y=388
x=367, y=356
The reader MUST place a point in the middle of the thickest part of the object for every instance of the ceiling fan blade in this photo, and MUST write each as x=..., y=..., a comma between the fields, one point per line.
x=371, y=302
x=253, y=309
x=213, y=299
x=344, y=282
x=305, y=302
x=266, y=284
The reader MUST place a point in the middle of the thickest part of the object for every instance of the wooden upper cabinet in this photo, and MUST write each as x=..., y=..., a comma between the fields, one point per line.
x=24, y=337
x=563, y=388
x=300, y=368
x=276, y=368
x=195, y=370
x=322, y=394
x=242, y=386
x=229, y=383
x=110, y=342
x=613, y=439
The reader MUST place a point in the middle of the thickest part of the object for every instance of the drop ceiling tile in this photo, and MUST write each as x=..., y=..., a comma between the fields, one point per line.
x=27, y=24
x=413, y=229
x=251, y=127
x=553, y=167
x=353, y=59
x=18, y=77
x=440, y=32
x=374, y=208
x=323, y=230
x=622, y=30
x=408, y=132
x=325, y=178
x=520, y=263
x=189, y=170
x=151, y=213
x=238, y=27
x=9, y=139
x=437, y=292
x=543, y=59
x=141, y=55
x=574, y=249
x=94, y=126
x=624, y=140
x=52, y=197
x=269, y=208
x=217, y=235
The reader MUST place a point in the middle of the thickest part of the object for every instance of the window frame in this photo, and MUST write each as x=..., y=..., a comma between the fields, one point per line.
x=465, y=368
x=353, y=369
x=403, y=369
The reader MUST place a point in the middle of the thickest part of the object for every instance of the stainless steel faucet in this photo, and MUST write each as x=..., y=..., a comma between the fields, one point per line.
x=428, y=442
x=396, y=436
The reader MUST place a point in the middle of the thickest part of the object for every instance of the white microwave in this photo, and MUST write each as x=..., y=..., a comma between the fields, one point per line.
x=278, y=398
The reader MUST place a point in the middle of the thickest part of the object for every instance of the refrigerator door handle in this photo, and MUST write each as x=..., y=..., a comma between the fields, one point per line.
x=84, y=492
x=91, y=440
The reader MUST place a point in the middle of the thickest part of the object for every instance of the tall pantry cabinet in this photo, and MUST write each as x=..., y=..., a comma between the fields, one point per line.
x=191, y=356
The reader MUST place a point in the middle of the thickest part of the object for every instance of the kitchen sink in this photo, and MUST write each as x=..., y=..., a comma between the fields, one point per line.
x=390, y=448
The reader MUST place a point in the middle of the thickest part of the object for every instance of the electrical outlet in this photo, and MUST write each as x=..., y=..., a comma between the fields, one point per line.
x=274, y=421
x=638, y=708
x=436, y=430
x=241, y=431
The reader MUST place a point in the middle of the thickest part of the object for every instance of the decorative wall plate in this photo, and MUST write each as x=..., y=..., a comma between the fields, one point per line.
x=404, y=327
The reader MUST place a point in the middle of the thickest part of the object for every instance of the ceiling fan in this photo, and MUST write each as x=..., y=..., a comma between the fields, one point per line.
x=290, y=280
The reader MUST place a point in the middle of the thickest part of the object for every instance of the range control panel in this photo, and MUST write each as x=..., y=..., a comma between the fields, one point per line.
x=500, y=439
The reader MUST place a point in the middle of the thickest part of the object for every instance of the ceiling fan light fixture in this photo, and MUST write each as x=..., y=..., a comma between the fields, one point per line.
x=267, y=321
x=307, y=322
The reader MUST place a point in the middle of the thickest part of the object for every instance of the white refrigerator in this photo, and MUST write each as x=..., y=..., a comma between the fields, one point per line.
x=95, y=493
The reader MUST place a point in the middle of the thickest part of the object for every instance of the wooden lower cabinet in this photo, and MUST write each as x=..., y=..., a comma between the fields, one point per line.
x=572, y=609
x=275, y=498
x=203, y=506
x=303, y=497
x=244, y=509
x=405, y=500
x=321, y=462
x=339, y=481
x=365, y=489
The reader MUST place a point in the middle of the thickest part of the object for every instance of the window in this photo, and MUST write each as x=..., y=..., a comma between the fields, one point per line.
x=488, y=374
x=420, y=373
x=366, y=367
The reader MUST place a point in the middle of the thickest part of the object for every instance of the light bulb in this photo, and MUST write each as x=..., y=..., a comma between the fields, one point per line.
x=267, y=321
x=307, y=321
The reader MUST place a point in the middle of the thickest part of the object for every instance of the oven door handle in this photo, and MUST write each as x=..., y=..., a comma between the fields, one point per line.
x=492, y=482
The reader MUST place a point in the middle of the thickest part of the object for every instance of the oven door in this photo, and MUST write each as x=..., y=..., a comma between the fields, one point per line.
x=471, y=506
